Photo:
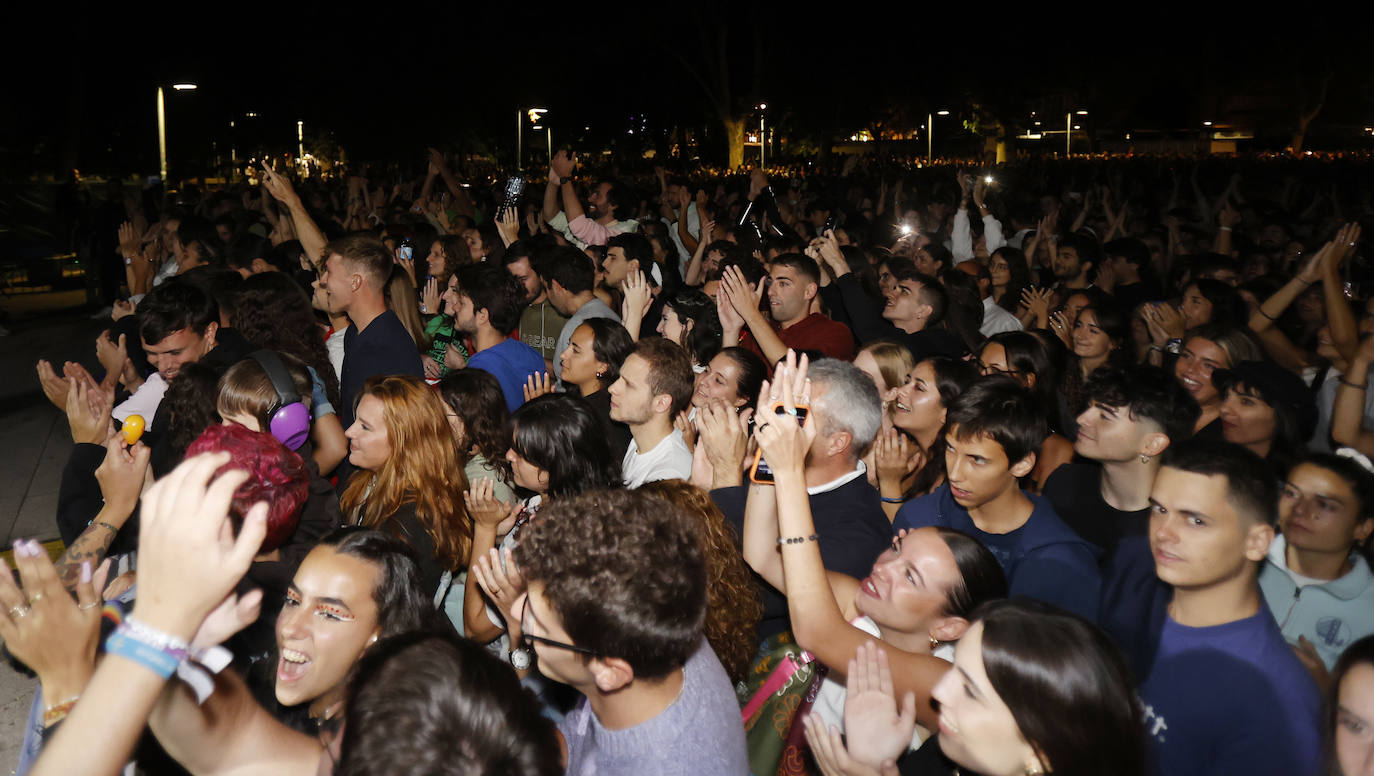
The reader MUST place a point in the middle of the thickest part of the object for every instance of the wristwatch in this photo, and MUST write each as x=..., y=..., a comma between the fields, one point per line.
x=520, y=659
x=1174, y=345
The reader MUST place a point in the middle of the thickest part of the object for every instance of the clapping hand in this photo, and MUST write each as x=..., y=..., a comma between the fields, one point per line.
x=878, y=732
x=44, y=628
x=782, y=437
x=502, y=581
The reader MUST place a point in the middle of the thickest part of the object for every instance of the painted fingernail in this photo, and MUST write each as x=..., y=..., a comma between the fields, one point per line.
x=85, y=572
x=34, y=549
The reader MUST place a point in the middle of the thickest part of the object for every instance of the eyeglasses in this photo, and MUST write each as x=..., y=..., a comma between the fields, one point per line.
x=530, y=639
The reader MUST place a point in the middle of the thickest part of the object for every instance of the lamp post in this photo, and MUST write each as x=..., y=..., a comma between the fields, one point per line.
x=162, y=129
x=1068, y=131
x=534, y=114
x=930, y=133
x=763, y=135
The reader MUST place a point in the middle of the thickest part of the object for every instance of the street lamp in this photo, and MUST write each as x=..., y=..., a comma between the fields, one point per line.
x=534, y=114
x=763, y=135
x=930, y=133
x=162, y=129
x=1068, y=131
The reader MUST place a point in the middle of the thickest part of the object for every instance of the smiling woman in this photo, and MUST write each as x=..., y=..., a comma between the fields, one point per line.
x=355, y=587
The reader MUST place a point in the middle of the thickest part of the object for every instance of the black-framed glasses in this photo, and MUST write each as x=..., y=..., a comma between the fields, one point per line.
x=530, y=639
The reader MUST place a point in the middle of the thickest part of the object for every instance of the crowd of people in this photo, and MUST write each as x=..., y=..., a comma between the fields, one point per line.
x=1043, y=468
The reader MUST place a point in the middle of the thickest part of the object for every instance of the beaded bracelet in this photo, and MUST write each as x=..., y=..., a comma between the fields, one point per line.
x=798, y=539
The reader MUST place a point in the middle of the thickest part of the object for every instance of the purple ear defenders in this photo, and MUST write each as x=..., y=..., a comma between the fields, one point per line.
x=289, y=418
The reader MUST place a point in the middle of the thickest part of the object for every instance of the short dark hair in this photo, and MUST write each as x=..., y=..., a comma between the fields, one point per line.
x=424, y=702
x=365, y=254
x=173, y=306
x=1048, y=665
x=999, y=407
x=571, y=268
x=804, y=265
x=930, y=293
x=1130, y=249
x=1087, y=248
x=625, y=573
x=1250, y=486
x=611, y=344
x=1148, y=393
x=1360, y=479
x=670, y=370
x=1228, y=306
x=562, y=435
x=494, y=289
x=636, y=247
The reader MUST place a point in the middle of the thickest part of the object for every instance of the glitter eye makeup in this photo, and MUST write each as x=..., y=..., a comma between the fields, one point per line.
x=335, y=612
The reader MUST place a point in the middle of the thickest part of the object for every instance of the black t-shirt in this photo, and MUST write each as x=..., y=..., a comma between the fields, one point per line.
x=1075, y=490
x=383, y=348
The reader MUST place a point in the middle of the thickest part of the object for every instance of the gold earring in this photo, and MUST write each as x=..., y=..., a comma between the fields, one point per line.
x=934, y=643
x=1034, y=769
x=1144, y=458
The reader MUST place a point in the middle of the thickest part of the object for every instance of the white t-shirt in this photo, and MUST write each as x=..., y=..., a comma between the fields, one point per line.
x=669, y=460
x=829, y=705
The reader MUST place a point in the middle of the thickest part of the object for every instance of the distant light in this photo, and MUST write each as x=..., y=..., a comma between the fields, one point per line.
x=1128, y=135
x=1037, y=123
x=1206, y=123
x=251, y=115
x=987, y=179
x=941, y=113
x=535, y=113
x=184, y=87
x=537, y=126
x=763, y=106
x=1075, y=126
x=1081, y=112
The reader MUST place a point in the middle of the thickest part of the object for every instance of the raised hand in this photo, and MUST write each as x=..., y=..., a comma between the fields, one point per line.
x=637, y=297
x=508, y=226
x=130, y=244
x=827, y=747
x=782, y=437
x=44, y=628
x=501, y=580
x=1228, y=216
x=1059, y=324
x=537, y=385
x=1164, y=321
x=278, y=186
x=408, y=265
x=878, y=731
x=484, y=507
x=743, y=297
x=563, y=164
x=429, y=298
x=188, y=557
x=110, y=354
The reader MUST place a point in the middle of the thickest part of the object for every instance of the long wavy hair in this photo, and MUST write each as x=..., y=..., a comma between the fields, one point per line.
x=423, y=469
x=273, y=312
x=733, y=608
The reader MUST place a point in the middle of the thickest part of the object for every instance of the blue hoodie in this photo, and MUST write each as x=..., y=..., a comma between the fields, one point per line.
x=1043, y=559
x=1331, y=614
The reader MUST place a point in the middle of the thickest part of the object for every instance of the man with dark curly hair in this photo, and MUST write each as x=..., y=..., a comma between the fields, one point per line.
x=615, y=605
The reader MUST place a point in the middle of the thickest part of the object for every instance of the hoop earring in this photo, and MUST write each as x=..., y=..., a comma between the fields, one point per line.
x=1144, y=458
x=601, y=374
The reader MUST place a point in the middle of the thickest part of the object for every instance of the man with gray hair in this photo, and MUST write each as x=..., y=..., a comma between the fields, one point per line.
x=851, y=527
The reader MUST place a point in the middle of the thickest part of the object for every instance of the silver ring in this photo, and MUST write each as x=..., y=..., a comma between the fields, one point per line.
x=18, y=611
x=90, y=605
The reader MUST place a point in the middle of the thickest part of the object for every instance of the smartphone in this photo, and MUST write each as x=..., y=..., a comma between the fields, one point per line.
x=405, y=251
x=830, y=224
x=760, y=472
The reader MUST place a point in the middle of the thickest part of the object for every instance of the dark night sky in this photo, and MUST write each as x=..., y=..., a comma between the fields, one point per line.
x=387, y=79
